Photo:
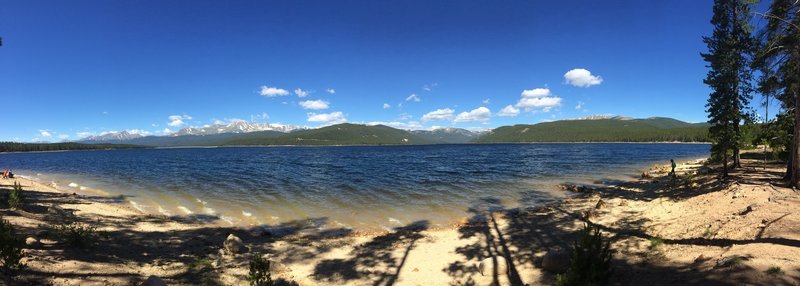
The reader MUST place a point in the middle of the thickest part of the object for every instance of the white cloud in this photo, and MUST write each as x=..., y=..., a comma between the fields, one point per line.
x=539, y=103
x=405, y=116
x=579, y=105
x=63, y=136
x=481, y=114
x=508, y=111
x=314, y=104
x=444, y=114
x=487, y=101
x=537, y=99
x=178, y=120
x=138, y=132
x=45, y=133
x=166, y=131
x=300, y=93
x=328, y=118
x=105, y=112
x=536, y=92
x=330, y=90
x=413, y=97
x=386, y=106
x=273, y=91
x=82, y=135
x=582, y=78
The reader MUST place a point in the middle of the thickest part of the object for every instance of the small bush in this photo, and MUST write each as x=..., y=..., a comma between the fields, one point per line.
x=10, y=247
x=76, y=234
x=774, y=270
x=655, y=242
x=732, y=261
x=16, y=199
x=259, y=272
x=590, y=262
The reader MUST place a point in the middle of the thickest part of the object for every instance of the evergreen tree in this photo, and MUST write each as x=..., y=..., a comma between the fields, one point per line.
x=779, y=56
x=729, y=76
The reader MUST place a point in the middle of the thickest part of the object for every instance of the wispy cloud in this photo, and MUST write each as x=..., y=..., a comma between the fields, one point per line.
x=269, y=91
x=508, y=111
x=178, y=120
x=301, y=93
x=386, y=106
x=430, y=86
x=330, y=90
x=413, y=97
x=582, y=78
x=262, y=116
x=314, y=104
x=579, y=106
x=45, y=133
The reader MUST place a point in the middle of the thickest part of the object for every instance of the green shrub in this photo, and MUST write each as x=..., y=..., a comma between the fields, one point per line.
x=10, y=247
x=590, y=262
x=774, y=270
x=259, y=272
x=655, y=242
x=76, y=234
x=16, y=199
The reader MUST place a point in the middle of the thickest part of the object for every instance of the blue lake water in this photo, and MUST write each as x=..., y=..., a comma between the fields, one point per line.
x=359, y=187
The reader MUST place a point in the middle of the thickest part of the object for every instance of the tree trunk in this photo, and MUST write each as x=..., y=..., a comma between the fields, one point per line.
x=737, y=162
x=795, y=144
x=725, y=162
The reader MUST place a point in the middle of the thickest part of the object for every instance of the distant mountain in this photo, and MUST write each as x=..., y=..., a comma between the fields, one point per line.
x=448, y=135
x=237, y=127
x=614, y=129
x=188, y=140
x=589, y=129
x=113, y=136
x=340, y=134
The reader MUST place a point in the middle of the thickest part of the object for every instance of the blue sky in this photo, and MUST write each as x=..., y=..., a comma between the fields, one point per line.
x=72, y=68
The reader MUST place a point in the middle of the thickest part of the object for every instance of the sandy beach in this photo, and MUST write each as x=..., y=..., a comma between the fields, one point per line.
x=664, y=231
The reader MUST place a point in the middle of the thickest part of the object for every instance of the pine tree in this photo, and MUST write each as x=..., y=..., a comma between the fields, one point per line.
x=780, y=54
x=729, y=76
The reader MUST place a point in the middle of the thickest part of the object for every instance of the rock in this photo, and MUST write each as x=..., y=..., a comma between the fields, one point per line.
x=694, y=185
x=556, y=261
x=747, y=210
x=30, y=241
x=645, y=175
x=154, y=281
x=486, y=266
x=233, y=244
x=737, y=195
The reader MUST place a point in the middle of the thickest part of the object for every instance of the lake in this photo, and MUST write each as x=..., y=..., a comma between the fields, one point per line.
x=359, y=187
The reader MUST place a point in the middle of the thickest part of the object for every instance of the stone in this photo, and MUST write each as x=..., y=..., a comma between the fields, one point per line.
x=645, y=175
x=233, y=244
x=487, y=266
x=747, y=210
x=154, y=281
x=556, y=261
x=31, y=241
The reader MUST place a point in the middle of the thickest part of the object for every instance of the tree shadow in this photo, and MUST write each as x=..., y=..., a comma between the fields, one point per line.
x=380, y=260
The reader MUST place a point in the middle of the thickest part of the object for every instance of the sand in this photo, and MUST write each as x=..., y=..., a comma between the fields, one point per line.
x=697, y=222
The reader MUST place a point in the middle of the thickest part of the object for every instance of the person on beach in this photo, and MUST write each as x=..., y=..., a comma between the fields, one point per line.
x=672, y=173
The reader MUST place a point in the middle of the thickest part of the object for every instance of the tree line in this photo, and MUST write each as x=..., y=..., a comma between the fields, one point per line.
x=744, y=59
x=32, y=147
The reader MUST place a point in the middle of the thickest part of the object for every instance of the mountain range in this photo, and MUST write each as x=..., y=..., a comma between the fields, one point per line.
x=591, y=129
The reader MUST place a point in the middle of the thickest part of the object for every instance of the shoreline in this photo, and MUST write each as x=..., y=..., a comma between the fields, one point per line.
x=633, y=213
x=142, y=147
